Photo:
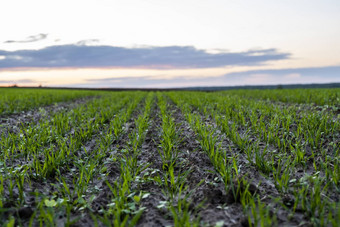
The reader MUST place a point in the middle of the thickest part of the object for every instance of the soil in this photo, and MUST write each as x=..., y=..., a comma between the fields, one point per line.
x=11, y=122
x=210, y=201
x=263, y=183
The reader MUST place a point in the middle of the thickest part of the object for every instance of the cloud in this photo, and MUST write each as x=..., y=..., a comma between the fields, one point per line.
x=87, y=42
x=142, y=57
x=293, y=73
x=307, y=75
x=146, y=82
x=30, y=39
x=138, y=80
x=330, y=74
x=22, y=81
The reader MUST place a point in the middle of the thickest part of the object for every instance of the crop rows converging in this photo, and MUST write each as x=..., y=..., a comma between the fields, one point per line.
x=180, y=158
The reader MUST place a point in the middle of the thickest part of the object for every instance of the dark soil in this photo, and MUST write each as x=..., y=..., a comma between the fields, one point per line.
x=263, y=185
x=210, y=201
x=12, y=122
x=49, y=187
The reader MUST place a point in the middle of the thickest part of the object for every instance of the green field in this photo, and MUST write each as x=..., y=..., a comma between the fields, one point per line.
x=178, y=158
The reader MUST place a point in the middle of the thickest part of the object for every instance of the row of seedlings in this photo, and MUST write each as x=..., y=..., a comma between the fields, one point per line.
x=237, y=186
x=124, y=207
x=278, y=164
x=174, y=173
x=309, y=96
x=83, y=183
x=46, y=152
x=17, y=100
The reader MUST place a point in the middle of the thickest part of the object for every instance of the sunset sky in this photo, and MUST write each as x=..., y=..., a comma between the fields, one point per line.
x=169, y=43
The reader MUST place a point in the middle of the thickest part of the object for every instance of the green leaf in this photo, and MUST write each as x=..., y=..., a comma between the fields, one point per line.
x=219, y=224
x=11, y=222
x=136, y=198
x=50, y=203
x=292, y=181
x=146, y=195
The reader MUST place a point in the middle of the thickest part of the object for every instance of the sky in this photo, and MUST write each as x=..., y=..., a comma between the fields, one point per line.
x=177, y=43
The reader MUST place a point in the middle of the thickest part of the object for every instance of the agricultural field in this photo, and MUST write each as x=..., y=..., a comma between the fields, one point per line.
x=180, y=158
